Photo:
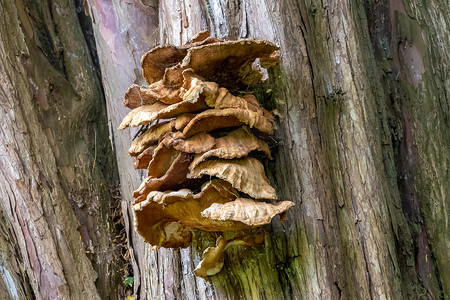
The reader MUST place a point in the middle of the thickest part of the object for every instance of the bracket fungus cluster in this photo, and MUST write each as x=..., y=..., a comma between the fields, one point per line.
x=198, y=143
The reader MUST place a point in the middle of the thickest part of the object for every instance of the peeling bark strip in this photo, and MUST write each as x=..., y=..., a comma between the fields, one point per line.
x=165, y=208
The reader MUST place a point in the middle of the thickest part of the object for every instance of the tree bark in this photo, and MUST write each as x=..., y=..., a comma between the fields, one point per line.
x=362, y=104
x=354, y=137
x=57, y=171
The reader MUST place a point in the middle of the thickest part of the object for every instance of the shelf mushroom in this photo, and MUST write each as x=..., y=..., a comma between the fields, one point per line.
x=198, y=143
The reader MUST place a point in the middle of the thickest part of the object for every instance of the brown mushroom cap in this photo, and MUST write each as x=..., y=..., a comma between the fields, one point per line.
x=199, y=143
x=149, y=137
x=200, y=37
x=233, y=58
x=191, y=103
x=245, y=174
x=228, y=57
x=182, y=120
x=152, y=135
x=213, y=259
x=172, y=179
x=169, y=149
x=148, y=113
x=247, y=211
x=163, y=158
x=138, y=95
x=186, y=207
x=238, y=143
x=142, y=160
x=225, y=99
x=141, y=110
x=212, y=119
x=159, y=231
x=181, y=210
x=156, y=61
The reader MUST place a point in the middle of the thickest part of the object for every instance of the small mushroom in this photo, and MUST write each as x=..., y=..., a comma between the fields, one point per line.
x=213, y=258
x=239, y=143
x=245, y=174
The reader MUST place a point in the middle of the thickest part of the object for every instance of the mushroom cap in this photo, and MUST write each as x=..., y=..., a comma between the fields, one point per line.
x=156, y=132
x=238, y=143
x=186, y=207
x=137, y=95
x=212, y=119
x=245, y=174
x=230, y=57
x=142, y=112
x=159, y=231
x=148, y=113
x=247, y=211
x=162, y=160
x=198, y=143
x=169, y=149
x=142, y=160
x=192, y=103
x=225, y=99
x=233, y=58
x=149, y=137
x=156, y=61
x=182, y=120
x=173, y=178
x=181, y=210
x=213, y=257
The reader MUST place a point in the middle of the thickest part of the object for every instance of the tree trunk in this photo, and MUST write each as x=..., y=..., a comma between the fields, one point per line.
x=362, y=100
x=57, y=171
x=354, y=133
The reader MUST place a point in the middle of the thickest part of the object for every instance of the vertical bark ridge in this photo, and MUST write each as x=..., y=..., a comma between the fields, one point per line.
x=52, y=128
x=349, y=235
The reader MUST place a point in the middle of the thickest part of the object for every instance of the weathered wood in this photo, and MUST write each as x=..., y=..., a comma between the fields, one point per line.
x=345, y=95
x=362, y=99
x=56, y=171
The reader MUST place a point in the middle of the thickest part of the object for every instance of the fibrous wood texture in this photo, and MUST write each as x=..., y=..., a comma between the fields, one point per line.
x=362, y=98
x=57, y=170
x=354, y=154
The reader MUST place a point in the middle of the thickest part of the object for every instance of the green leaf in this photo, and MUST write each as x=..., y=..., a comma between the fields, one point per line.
x=128, y=281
